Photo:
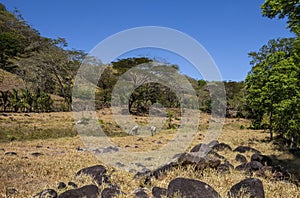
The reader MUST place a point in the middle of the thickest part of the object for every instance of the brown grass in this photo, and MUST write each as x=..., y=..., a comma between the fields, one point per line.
x=60, y=160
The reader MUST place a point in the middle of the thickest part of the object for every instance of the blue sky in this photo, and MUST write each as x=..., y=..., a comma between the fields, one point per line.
x=227, y=29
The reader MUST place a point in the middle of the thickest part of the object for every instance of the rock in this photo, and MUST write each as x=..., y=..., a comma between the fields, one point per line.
x=142, y=173
x=72, y=184
x=213, y=143
x=158, y=192
x=243, y=149
x=225, y=168
x=10, y=153
x=110, y=149
x=96, y=172
x=189, y=158
x=191, y=188
x=90, y=191
x=39, y=146
x=249, y=167
x=11, y=191
x=265, y=160
x=241, y=158
x=2, y=149
x=110, y=192
x=217, y=155
x=80, y=149
x=221, y=147
x=48, y=193
x=61, y=185
x=140, y=193
x=201, y=148
x=36, y=154
x=251, y=186
x=163, y=169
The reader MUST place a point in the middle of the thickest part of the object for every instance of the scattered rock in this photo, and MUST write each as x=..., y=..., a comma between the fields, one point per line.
x=243, y=149
x=90, y=191
x=36, y=154
x=265, y=160
x=249, y=167
x=213, y=143
x=158, y=192
x=11, y=153
x=80, y=149
x=221, y=147
x=142, y=173
x=61, y=185
x=140, y=139
x=140, y=193
x=110, y=149
x=11, y=191
x=241, y=158
x=189, y=158
x=96, y=172
x=48, y=193
x=191, y=188
x=72, y=184
x=201, y=148
x=251, y=186
x=160, y=171
x=110, y=192
x=225, y=168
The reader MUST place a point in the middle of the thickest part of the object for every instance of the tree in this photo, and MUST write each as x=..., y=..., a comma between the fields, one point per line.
x=273, y=87
x=289, y=9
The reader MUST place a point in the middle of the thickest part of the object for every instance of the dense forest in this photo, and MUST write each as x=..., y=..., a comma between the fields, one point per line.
x=269, y=96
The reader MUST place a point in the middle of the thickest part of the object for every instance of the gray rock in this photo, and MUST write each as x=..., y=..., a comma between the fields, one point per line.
x=243, y=149
x=241, y=158
x=191, y=188
x=251, y=186
x=48, y=193
x=96, y=172
x=158, y=192
x=90, y=191
x=110, y=192
x=61, y=185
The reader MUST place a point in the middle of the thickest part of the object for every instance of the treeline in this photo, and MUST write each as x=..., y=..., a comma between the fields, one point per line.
x=44, y=64
x=25, y=101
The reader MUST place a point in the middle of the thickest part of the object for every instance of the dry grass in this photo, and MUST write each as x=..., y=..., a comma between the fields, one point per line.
x=60, y=160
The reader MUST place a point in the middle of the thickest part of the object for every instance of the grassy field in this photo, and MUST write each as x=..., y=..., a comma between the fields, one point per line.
x=54, y=135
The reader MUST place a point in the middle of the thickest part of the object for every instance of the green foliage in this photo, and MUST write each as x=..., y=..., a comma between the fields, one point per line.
x=273, y=89
x=289, y=9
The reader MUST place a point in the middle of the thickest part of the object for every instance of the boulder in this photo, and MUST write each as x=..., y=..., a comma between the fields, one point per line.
x=90, y=191
x=158, y=192
x=191, y=188
x=221, y=147
x=160, y=171
x=250, y=186
x=140, y=193
x=96, y=172
x=241, y=158
x=48, y=193
x=265, y=160
x=61, y=185
x=110, y=192
x=243, y=149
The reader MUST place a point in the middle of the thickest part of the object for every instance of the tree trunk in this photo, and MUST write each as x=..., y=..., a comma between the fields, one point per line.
x=271, y=126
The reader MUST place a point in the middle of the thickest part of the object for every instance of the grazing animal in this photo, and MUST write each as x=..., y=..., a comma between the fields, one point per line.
x=134, y=130
x=153, y=130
